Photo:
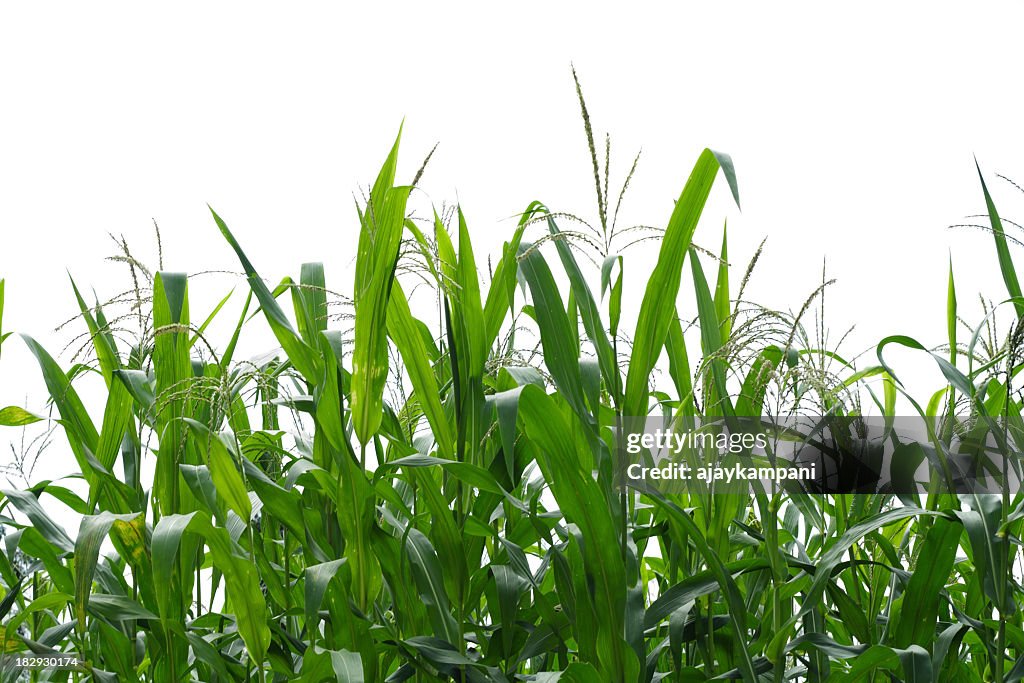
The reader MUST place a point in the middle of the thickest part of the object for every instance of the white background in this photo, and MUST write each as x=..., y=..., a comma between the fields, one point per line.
x=852, y=132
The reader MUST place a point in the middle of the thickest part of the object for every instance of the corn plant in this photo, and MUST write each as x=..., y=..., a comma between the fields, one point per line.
x=424, y=487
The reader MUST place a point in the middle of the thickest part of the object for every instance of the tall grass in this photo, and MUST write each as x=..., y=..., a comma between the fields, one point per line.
x=389, y=499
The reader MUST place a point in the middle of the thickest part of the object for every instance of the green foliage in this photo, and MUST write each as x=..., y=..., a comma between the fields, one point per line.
x=445, y=507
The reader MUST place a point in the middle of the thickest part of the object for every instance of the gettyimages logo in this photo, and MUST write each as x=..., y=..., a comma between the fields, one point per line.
x=662, y=439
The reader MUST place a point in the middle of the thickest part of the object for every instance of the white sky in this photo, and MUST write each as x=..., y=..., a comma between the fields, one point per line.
x=852, y=131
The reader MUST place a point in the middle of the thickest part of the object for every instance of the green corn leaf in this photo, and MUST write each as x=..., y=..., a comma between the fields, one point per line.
x=916, y=623
x=696, y=586
x=831, y=557
x=209, y=319
x=711, y=340
x=750, y=402
x=140, y=387
x=223, y=471
x=1006, y=266
x=403, y=332
x=589, y=312
x=583, y=503
x=118, y=608
x=379, y=241
x=427, y=573
x=244, y=596
x=444, y=532
x=299, y=353
x=313, y=288
x=557, y=339
x=501, y=294
x=91, y=533
x=981, y=518
x=733, y=597
x=471, y=474
x=510, y=589
x=506, y=405
x=468, y=302
x=284, y=504
x=329, y=409
x=173, y=371
x=658, y=306
x=317, y=578
x=28, y=505
x=49, y=551
x=48, y=602
x=210, y=655
x=198, y=479
x=81, y=432
x=956, y=378
x=951, y=314
x=101, y=339
x=579, y=673
x=8, y=601
x=615, y=300
x=117, y=416
x=13, y=416
x=722, y=304
x=229, y=351
x=679, y=367
x=340, y=666
x=164, y=547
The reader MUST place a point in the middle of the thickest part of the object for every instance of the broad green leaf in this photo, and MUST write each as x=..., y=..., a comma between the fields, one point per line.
x=916, y=624
x=81, y=432
x=317, y=578
x=244, y=597
x=332, y=666
x=118, y=608
x=402, y=330
x=658, y=306
x=299, y=353
x=589, y=312
x=723, y=309
x=426, y=569
x=501, y=294
x=733, y=598
x=581, y=501
x=223, y=471
x=380, y=236
x=28, y=505
x=1006, y=266
x=557, y=339
x=91, y=533
x=13, y=416
x=198, y=479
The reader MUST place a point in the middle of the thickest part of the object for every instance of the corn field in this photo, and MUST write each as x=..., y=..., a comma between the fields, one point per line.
x=420, y=483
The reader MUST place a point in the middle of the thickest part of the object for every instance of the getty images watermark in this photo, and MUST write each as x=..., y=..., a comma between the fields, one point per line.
x=668, y=442
x=819, y=454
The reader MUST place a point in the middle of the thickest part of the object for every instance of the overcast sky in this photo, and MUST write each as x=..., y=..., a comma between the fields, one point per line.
x=853, y=133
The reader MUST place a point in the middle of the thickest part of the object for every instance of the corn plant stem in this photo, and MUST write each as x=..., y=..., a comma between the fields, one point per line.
x=199, y=589
x=1004, y=554
x=285, y=538
x=772, y=537
x=35, y=620
x=623, y=504
x=172, y=659
x=712, y=652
